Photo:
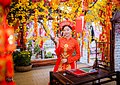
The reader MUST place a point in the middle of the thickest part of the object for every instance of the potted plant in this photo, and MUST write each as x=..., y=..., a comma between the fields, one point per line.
x=49, y=55
x=22, y=60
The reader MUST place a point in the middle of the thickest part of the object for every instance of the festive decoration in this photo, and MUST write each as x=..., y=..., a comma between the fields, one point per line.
x=60, y=10
x=116, y=3
x=79, y=23
x=7, y=37
x=7, y=46
x=5, y=3
x=54, y=3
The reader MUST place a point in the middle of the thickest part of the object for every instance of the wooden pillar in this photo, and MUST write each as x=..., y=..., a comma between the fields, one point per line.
x=118, y=77
x=51, y=78
x=112, y=40
x=22, y=43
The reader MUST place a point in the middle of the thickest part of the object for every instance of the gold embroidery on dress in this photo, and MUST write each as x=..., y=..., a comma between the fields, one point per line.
x=64, y=55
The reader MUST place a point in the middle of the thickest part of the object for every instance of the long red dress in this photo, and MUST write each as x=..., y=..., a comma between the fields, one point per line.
x=65, y=49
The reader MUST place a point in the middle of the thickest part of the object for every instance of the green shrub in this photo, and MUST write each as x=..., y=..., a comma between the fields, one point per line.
x=49, y=55
x=22, y=58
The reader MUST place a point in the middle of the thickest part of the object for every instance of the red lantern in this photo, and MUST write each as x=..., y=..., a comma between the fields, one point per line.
x=103, y=37
x=41, y=44
x=79, y=23
x=5, y=3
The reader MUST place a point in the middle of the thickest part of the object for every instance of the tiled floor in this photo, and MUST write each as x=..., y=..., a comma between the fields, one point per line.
x=38, y=76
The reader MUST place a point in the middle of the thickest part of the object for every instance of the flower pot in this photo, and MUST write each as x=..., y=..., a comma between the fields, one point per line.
x=22, y=61
x=23, y=68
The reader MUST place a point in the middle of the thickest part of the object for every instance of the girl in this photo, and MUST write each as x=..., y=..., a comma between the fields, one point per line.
x=66, y=46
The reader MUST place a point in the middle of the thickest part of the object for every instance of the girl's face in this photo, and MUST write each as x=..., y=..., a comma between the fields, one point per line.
x=67, y=31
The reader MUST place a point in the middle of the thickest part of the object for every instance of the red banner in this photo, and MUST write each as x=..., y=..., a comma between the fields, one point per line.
x=79, y=23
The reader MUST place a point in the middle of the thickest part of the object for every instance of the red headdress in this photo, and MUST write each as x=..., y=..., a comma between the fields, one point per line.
x=5, y=3
x=67, y=22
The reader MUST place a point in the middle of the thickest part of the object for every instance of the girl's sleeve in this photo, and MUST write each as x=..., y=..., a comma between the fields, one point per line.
x=57, y=51
x=77, y=56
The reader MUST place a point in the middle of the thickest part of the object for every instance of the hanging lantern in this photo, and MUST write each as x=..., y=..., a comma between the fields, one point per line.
x=5, y=3
x=41, y=43
x=103, y=37
x=35, y=28
x=79, y=23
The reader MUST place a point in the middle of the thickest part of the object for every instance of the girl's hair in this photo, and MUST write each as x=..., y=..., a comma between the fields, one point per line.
x=67, y=26
x=64, y=27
